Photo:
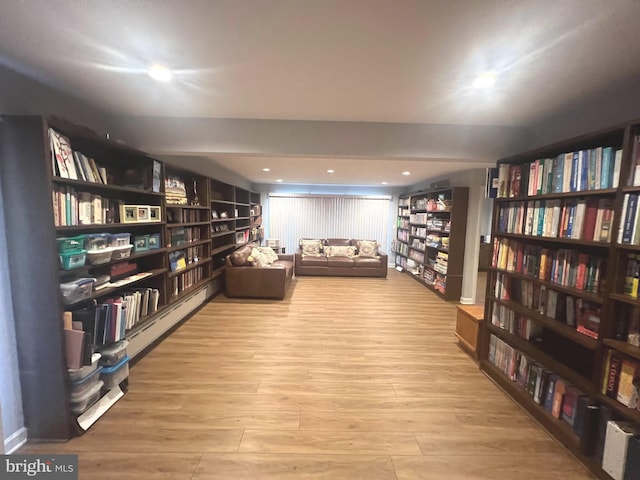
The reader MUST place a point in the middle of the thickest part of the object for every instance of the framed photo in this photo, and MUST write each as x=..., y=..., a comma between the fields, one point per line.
x=141, y=243
x=155, y=214
x=154, y=241
x=128, y=214
x=144, y=213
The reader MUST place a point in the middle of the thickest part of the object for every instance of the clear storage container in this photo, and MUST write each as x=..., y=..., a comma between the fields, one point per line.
x=71, y=244
x=80, y=403
x=71, y=260
x=113, y=376
x=121, y=252
x=100, y=256
x=96, y=241
x=114, y=353
x=119, y=239
x=80, y=387
x=78, y=374
x=77, y=290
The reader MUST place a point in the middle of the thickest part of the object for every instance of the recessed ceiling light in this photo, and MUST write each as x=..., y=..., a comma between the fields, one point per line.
x=266, y=169
x=279, y=180
x=484, y=80
x=331, y=171
x=406, y=173
x=383, y=183
x=160, y=73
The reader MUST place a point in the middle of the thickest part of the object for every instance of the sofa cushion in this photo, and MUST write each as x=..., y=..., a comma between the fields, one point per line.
x=340, y=251
x=269, y=254
x=240, y=257
x=367, y=248
x=367, y=262
x=257, y=258
x=340, y=262
x=311, y=261
x=311, y=247
x=338, y=242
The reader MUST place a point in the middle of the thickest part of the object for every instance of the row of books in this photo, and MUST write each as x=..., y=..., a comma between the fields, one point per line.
x=418, y=244
x=578, y=219
x=567, y=309
x=179, y=259
x=565, y=267
x=435, y=240
x=69, y=163
x=627, y=323
x=183, y=215
x=186, y=280
x=632, y=275
x=108, y=321
x=419, y=232
x=418, y=218
x=82, y=208
x=555, y=394
x=184, y=235
x=402, y=249
x=614, y=444
x=403, y=223
x=592, y=169
x=403, y=235
x=416, y=256
x=516, y=324
x=403, y=211
x=622, y=379
x=442, y=263
x=629, y=230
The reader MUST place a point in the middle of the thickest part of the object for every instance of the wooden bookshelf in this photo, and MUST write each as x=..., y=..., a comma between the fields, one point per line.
x=573, y=213
x=46, y=206
x=436, y=222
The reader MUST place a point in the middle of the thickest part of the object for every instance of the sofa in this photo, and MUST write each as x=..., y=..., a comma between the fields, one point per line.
x=250, y=275
x=340, y=257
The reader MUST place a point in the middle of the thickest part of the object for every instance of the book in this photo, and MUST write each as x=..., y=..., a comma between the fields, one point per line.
x=63, y=154
x=614, y=457
x=627, y=393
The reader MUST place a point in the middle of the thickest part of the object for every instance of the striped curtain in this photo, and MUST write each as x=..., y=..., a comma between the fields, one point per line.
x=292, y=217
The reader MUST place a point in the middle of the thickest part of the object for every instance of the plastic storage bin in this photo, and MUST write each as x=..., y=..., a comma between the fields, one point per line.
x=114, y=353
x=80, y=387
x=80, y=403
x=77, y=290
x=78, y=374
x=113, y=376
x=71, y=244
x=72, y=260
x=120, y=252
x=96, y=241
x=119, y=239
x=99, y=256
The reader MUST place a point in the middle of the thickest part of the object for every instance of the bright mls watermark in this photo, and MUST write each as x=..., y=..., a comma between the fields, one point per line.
x=51, y=467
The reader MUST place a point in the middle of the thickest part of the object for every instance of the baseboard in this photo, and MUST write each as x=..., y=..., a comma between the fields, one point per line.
x=466, y=301
x=14, y=441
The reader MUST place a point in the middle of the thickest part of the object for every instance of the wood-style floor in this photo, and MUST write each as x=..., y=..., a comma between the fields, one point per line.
x=347, y=378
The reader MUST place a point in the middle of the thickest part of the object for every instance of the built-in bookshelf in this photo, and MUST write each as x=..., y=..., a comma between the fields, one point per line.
x=98, y=223
x=562, y=334
x=188, y=232
x=430, y=224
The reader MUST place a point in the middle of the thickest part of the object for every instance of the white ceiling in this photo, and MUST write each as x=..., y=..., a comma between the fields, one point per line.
x=392, y=61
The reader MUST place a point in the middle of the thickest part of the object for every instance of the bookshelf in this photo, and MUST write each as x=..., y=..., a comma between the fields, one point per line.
x=188, y=231
x=123, y=195
x=561, y=301
x=431, y=224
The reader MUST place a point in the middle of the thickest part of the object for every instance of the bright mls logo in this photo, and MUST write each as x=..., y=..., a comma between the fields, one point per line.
x=51, y=467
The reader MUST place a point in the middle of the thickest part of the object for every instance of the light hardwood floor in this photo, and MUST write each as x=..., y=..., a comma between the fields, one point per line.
x=347, y=378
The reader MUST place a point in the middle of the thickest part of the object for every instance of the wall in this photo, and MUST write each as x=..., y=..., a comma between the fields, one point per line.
x=10, y=396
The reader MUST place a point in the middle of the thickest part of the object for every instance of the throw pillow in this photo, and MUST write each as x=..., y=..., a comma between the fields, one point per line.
x=311, y=248
x=240, y=257
x=269, y=254
x=340, y=251
x=367, y=248
x=257, y=259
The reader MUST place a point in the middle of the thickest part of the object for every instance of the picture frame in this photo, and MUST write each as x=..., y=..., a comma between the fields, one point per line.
x=154, y=241
x=155, y=213
x=128, y=214
x=144, y=213
x=141, y=243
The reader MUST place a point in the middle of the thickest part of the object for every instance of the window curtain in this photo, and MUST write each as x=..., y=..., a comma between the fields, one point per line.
x=292, y=217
